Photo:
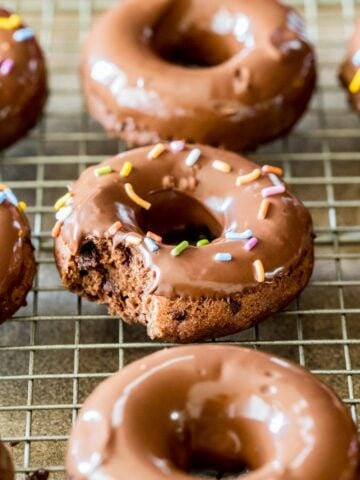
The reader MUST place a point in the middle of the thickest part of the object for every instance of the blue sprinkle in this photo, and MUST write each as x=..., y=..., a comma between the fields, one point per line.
x=2, y=197
x=23, y=34
x=275, y=180
x=11, y=197
x=239, y=235
x=223, y=257
x=151, y=245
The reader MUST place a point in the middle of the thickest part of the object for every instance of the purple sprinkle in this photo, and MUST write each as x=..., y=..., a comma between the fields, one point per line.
x=251, y=244
x=177, y=146
x=6, y=66
x=270, y=191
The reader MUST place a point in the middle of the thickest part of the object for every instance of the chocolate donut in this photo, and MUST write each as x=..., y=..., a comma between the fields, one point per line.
x=17, y=262
x=220, y=407
x=190, y=241
x=6, y=468
x=350, y=69
x=227, y=73
x=23, y=82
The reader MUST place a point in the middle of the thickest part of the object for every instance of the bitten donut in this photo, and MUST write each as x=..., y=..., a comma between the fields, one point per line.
x=218, y=407
x=17, y=262
x=350, y=69
x=230, y=73
x=23, y=81
x=6, y=468
x=190, y=241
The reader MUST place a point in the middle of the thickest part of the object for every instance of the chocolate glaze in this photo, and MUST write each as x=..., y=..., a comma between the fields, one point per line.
x=257, y=75
x=6, y=468
x=350, y=65
x=217, y=406
x=200, y=196
x=23, y=91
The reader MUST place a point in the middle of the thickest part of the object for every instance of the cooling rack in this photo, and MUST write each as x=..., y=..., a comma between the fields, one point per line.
x=58, y=348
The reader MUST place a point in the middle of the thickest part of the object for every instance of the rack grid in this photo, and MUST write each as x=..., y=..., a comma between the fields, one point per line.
x=58, y=348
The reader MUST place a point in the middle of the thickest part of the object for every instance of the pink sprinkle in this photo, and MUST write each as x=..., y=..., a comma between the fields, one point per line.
x=251, y=244
x=270, y=191
x=177, y=146
x=6, y=67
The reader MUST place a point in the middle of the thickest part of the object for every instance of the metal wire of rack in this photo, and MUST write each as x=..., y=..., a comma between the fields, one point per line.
x=54, y=352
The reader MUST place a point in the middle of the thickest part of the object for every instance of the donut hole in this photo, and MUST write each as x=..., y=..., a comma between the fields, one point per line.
x=176, y=216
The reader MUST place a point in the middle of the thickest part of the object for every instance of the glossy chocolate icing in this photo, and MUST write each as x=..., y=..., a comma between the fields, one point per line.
x=351, y=64
x=6, y=468
x=200, y=197
x=217, y=406
x=23, y=89
x=254, y=71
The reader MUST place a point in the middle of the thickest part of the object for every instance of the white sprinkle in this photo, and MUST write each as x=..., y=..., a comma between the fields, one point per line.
x=193, y=157
x=63, y=214
x=177, y=146
x=221, y=166
x=239, y=235
x=275, y=180
x=223, y=257
x=11, y=197
x=151, y=245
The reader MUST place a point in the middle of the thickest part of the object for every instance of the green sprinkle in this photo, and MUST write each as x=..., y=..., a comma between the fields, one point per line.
x=179, y=249
x=202, y=242
x=99, y=172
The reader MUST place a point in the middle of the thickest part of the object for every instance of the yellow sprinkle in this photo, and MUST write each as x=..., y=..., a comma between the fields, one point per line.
x=264, y=208
x=135, y=198
x=259, y=271
x=156, y=151
x=22, y=206
x=62, y=201
x=126, y=169
x=354, y=86
x=105, y=170
x=134, y=239
x=154, y=237
x=271, y=169
x=115, y=227
x=221, y=166
x=56, y=230
x=10, y=23
x=249, y=177
x=20, y=233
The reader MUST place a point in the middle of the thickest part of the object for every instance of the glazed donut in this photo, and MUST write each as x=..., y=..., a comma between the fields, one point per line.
x=227, y=73
x=350, y=69
x=6, y=468
x=17, y=262
x=23, y=82
x=190, y=241
x=219, y=407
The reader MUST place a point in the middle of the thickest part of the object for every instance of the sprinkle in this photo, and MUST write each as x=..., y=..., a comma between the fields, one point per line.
x=221, y=166
x=251, y=244
x=223, y=257
x=62, y=201
x=202, y=242
x=6, y=67
x=134, y=239
x=10, y=23
x=135, y=198
x=193, y=157
x=99, y=172
x=3, y=187
x=239, y=235
x=23, y=34
x=259, y=271
x=154, y=237
x=271, y=169
x=264, y=208
x=354, y=86
x=270, y=191
x=275, y=180
x=55, y=232
x=63, y=214
x=20, y=232
x=151, y=245
x=177, y=146
x=126, y=169
x=22, y=206
x=179, y=249
x=249, y=177
x=115, y=227
x=156, y=151
x=11, y=197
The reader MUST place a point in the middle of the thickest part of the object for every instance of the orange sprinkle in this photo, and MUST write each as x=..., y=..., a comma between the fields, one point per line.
x=249, y=177
x=3, y=187
x=264, y=208
x=259, y=271
x=156, y=151
x=56, y=230
x=115, y=227
x=20, y=232
x=271, y=169
x=154, y=237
